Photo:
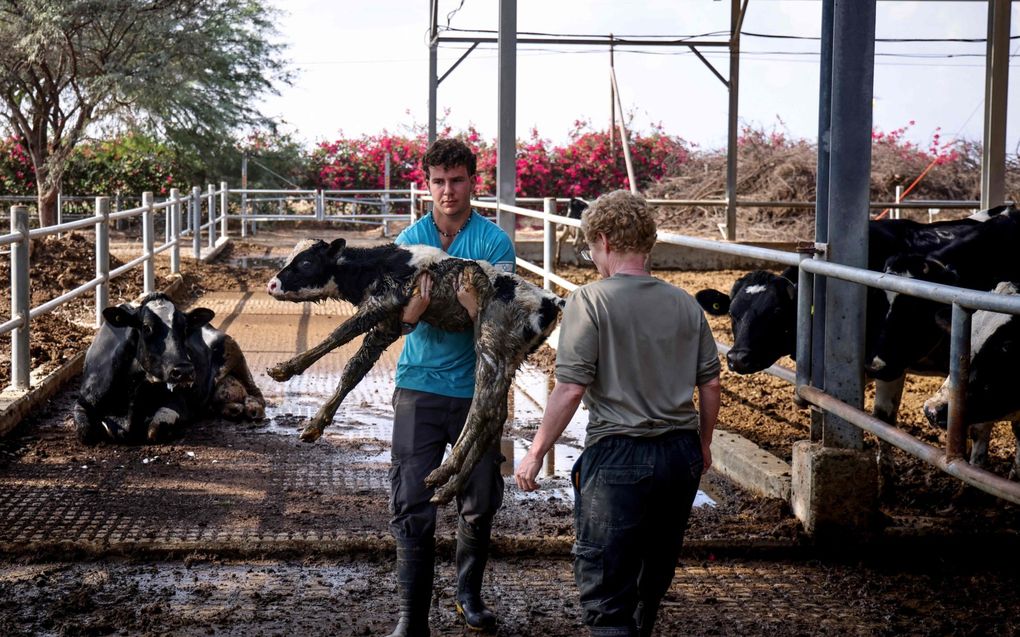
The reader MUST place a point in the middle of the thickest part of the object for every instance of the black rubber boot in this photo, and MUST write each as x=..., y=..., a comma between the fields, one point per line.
x=472, y=554
x=645, y=616
x=415, y=570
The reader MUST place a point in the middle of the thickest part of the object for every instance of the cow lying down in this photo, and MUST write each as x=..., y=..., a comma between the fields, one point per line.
x=153, y=368
x=514, y=318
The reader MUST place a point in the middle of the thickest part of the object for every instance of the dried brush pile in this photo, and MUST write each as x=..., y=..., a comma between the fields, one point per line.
x=773, y=168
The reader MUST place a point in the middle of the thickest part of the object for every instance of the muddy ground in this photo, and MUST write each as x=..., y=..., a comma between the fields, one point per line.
x=721, y=595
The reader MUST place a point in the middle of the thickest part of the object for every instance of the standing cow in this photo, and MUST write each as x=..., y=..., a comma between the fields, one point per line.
x=575, y=208
x=152, y=368
x=992, y=381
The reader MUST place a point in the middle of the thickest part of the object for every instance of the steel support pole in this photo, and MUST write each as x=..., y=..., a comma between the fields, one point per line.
x=433, y=70
x=731, y=125
x=506, y=141
x=959, y=370
x=817, y=364
x=805, y=293
x=853, y=70
x=548, y=240
x=148, y=230
x=196, y=221
x=993, y=156
x=102, y=257
x=21, y=299
x=174, y=214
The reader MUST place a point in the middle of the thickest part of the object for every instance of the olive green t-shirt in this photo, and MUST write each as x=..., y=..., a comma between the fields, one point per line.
x=641, y=346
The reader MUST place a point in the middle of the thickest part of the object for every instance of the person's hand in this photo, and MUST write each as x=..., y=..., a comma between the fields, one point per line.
x=466, y=294
x=706, y=454
x=527, y=471
x=419, y=301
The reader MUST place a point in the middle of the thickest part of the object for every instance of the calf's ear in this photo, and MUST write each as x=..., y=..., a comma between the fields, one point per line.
x=713, y=302
x=121, y=316
x=336, y=247
x=199, y=316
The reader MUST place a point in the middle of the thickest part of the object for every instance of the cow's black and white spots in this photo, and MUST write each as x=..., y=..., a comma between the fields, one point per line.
x=152, y=368
x=992, y=382
x=514, y=318
x=909, y=334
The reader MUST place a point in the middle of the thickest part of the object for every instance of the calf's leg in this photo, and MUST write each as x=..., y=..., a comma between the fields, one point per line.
x=365, y=319
x=375, y=343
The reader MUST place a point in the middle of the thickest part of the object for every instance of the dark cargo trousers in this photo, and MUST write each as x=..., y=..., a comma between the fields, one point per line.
x=633, y=497
x=423, y=424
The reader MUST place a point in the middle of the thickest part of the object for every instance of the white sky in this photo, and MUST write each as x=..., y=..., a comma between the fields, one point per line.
x=363, y=67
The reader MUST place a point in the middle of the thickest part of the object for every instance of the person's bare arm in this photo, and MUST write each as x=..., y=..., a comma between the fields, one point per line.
x=562, y=404
x=709, y=395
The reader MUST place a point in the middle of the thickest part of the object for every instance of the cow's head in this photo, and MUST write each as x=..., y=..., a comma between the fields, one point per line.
x=994, y=376
x=763, y=311
x=308, y=274
x=162, y=332
x=908, y=329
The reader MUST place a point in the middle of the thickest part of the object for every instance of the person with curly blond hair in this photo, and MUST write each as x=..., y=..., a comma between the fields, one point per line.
x=633, y=348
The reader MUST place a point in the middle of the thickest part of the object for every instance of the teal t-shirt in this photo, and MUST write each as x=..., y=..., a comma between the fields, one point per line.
x=442, y=362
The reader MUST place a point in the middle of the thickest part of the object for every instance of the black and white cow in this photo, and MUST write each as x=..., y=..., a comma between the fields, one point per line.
x=152, y=368
x=762, y=306
x=575, y=208
x=992, y=383
x=514, y=318
x=909, y=334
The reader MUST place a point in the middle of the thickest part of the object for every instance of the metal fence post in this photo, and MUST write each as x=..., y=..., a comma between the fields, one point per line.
x=20, y=299
x=548, y=239
x=60, y=209
x=196, y=221
x=805, y=296
x=224, y=194
x=174, y=212
x=320, y=205
x=102, y=257
x=211, y=204
x=414, y=205
x=959, y=370
x=148, y=229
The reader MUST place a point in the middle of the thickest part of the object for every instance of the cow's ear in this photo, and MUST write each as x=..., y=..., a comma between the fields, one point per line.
x=199, y=316
x=336, y=247
x=713, y=302
x=121, y=316
x=791, y=289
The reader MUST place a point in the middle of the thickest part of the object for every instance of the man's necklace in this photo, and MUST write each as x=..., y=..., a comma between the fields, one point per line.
x=450, y=235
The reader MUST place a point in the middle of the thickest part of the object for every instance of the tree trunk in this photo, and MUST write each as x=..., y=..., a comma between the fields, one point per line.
x=47, y=202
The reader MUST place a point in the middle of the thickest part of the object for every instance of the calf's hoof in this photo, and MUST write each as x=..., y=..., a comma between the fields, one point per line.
x=233, y=411
x=311, y=433
x=280, y=373
x=254, y=408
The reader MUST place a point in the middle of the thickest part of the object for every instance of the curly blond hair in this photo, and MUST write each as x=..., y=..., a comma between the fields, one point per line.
x=625, y=220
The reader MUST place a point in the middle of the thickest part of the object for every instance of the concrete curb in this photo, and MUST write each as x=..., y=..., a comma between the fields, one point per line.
x=750, y=466
x=16, y=405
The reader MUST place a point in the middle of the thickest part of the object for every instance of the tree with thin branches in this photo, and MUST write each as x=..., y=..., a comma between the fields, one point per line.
x=190, y=70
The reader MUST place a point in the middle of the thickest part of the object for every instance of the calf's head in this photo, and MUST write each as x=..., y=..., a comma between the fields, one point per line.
x=161, y=332
x=994, y=373
x=763, y=312
x=309, y=272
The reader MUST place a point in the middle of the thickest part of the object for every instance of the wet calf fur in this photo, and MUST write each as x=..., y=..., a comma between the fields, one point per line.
x=151, y=368
x=514, y=318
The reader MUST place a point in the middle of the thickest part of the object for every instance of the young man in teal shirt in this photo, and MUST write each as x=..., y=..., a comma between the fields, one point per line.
x=435, y=383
